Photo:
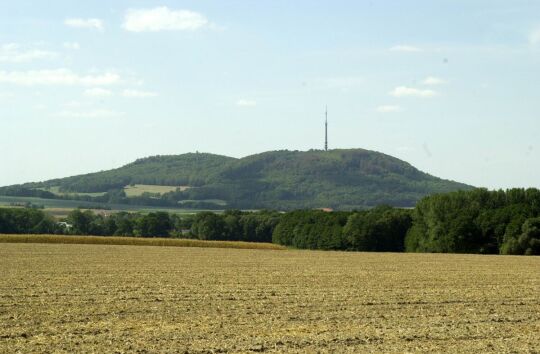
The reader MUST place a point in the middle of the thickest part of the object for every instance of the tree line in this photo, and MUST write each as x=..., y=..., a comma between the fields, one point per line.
x=478, y=221
x=379, y=229
x=231, y=225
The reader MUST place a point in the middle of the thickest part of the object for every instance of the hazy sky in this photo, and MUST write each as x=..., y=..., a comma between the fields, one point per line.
x=453, y=87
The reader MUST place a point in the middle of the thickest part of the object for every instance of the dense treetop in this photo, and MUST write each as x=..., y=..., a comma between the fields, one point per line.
x=478, y=221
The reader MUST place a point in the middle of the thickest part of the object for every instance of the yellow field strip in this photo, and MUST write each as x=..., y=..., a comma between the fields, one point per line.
x=135, y=241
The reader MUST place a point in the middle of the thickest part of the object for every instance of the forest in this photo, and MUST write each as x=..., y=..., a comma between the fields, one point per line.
x=477, y=221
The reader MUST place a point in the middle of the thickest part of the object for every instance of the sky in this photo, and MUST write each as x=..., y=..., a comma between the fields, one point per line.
x=448, y=86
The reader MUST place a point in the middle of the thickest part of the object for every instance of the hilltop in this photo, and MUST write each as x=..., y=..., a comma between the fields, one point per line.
x=338, y=179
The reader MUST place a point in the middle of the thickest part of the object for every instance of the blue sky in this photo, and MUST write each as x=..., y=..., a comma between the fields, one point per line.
x=449, y=86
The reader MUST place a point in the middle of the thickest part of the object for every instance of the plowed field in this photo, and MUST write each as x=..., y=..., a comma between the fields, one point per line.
x=104, y=298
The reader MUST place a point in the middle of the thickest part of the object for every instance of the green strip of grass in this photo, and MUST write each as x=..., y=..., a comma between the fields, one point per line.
x=135, y=241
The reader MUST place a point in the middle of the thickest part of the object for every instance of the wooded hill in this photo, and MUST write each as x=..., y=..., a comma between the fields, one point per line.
x=283, y=180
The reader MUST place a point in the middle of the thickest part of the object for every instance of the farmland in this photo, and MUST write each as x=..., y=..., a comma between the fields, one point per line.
x=56, y=191
x=136, y=241
x=136, y=190
x=97, y=298
x=61, y=207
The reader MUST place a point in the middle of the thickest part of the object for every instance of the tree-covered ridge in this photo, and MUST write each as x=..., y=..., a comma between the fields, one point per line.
x=340, y=179
x=284, y=180
x=193, y=169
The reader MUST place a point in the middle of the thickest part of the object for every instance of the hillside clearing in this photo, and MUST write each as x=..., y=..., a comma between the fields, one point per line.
x=56, y=191
x=96, y=298
x=56, y=204
x=137, y=190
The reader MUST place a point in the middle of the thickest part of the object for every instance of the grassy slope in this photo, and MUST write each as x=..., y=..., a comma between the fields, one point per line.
x=138, y=189
x=135, y=241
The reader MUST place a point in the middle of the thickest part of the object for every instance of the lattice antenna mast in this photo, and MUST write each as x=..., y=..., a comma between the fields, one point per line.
x=326, y=129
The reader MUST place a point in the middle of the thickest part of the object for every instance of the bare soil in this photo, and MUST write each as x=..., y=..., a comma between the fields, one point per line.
x=104, y=298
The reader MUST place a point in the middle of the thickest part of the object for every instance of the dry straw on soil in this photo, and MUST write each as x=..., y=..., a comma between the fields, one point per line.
x=105, y=299
x=135, y=241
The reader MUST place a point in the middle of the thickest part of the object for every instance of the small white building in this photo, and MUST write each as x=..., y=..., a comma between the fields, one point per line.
x=64, y=224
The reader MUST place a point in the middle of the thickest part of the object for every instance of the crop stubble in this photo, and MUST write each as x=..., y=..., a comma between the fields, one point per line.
x=103, y=298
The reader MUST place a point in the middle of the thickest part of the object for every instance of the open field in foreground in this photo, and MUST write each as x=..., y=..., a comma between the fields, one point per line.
x=135, y=241
x=96, y=298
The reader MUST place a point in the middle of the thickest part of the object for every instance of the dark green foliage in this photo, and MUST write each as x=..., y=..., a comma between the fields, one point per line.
x=85, y=222
x=528, y=242
x=234, y=225
x=280, y=180
x=208, y=226
x=154, y=225
x=477, y=221
x=121, y=224
x=311, y=229
x=159, y=224
x=380, y=229
x=22, y=191
x=26, y=221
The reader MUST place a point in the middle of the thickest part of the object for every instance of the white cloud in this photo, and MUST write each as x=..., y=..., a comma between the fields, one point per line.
x=534, y=37
x=99, y=113
x=432, y=81
x=57, y=77
x=72, y=45
x=98, y=92
x=405, y=48
x=138, y=94
x=91, y=23
x=246, y=103
x=15, y=53
x=163, y=19
x=389, y=109
x=403, y=91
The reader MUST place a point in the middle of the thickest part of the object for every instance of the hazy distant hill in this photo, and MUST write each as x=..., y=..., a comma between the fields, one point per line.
x=339, y=179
